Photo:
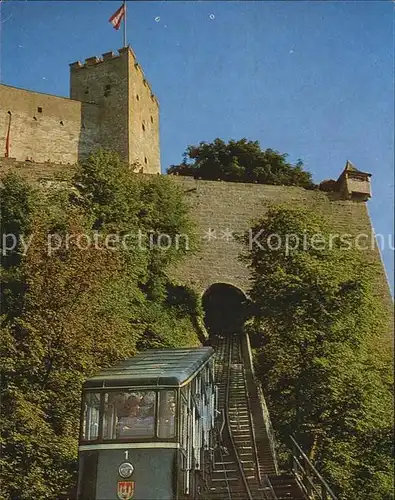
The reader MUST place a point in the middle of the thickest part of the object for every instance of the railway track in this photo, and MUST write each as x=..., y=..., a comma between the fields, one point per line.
x=236, y=466
x=241, y=471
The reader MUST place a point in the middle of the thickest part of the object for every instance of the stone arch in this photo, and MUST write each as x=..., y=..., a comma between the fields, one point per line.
x=225, y=308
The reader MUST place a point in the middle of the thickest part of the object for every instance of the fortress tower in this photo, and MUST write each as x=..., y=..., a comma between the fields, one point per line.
x=128, y=110
x=111, y=106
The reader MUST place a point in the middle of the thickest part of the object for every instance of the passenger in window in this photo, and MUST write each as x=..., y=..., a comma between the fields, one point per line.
x=128, y=414
x=172, y=409
x=147, y=408
x=167, y=419
x=133, y=405
x=120, y=404
x=146, y=423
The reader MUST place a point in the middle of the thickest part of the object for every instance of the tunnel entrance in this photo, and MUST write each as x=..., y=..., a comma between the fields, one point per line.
x=225, y=308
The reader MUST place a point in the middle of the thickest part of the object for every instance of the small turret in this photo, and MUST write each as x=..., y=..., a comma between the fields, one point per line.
x=354, y=184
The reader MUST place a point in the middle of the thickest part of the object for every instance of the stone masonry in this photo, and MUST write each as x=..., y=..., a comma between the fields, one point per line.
x=44, y=128
x=112, y=106
x=228, y=208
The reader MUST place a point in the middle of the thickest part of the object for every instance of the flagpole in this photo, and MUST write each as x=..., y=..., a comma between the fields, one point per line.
x=124, y=25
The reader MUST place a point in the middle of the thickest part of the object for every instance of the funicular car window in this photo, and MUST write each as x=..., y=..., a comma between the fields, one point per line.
x=129, y=415
x=184, y=424
x=90, y=426
x=167, y=414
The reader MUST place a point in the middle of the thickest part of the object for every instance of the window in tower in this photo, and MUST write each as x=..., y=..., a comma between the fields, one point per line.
x=143, y=126
x=137, y=97
x=39, y=110
x=152, y=120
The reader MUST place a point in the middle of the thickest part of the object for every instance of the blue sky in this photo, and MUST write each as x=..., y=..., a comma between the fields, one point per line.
x=311, y=79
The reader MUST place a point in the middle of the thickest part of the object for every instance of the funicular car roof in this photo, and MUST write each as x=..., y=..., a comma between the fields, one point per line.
x=154, y=367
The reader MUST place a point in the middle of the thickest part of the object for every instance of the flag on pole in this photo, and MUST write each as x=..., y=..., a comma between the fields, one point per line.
x=117, y=17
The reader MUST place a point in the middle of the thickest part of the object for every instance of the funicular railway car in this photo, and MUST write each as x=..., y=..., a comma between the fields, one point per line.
x=147, y=427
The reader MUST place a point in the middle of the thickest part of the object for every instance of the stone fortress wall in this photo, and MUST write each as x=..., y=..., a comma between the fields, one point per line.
x=112, y=106
x=223, y=209
x=44, y=127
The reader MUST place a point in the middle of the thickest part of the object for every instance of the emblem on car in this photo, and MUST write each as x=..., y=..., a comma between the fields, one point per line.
x=125, y=470
x=125, y=490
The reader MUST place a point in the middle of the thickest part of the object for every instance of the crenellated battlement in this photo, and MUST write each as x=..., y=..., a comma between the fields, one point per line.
x=106, y=56
x=95, y=61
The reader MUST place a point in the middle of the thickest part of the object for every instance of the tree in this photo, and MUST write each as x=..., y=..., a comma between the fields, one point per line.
x=241, y=161
x=150, y=210
x=90, y=289
x=319, y=330
x=63, y=332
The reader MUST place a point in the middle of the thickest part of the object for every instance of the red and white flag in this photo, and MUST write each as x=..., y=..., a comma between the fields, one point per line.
x=117, y=17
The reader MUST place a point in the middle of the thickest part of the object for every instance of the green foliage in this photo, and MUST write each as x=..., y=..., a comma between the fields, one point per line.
x=92, y=288
x=241, y=161
x=147, y=212
x=320, y=334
